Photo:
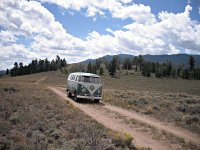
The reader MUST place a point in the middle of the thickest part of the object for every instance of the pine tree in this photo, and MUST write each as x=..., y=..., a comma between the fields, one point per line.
x=140, y=61
x=127, y=64
x=89, y=67
x=118, y=62
x=112, y=66
x=47, y=65
x=101, y=72
x=21, y=68
x=63, y=63
x=94, y=68
x=53, y=65
x=97, y=64
x=168, y=68
x=191, y=62
x=58, y=62
x=196, y=73
x=153, y=68
x=135, y=62
x=7, y=72
x=185, y=74
x=173, y=73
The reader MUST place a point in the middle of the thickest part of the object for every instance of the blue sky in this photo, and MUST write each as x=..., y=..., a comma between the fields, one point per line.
x=79, y=30
x=80, y=26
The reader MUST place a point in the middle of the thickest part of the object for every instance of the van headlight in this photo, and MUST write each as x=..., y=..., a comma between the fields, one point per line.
x=83, y=90
x=99, y=91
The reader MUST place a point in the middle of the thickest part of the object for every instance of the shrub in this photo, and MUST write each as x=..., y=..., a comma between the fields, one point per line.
x=149, y=110
x=122, y=139
x=14, y=120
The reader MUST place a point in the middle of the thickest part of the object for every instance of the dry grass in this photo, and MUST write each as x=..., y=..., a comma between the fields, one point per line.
x=140, y=83
x=53, y=78
x=171, y=100
x=182, y=109
x=26, y=78
x=32, y=117
x=56, y=78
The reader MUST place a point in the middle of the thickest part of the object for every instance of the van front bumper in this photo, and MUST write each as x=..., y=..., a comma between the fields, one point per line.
x=89, y=97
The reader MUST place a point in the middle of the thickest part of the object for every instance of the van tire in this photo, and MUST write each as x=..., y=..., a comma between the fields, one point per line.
x=96, y=100
x=69, y=94
x=76, y=98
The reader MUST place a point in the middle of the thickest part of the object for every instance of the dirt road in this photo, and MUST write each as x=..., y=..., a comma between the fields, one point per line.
x=41, y=80
x=119, y=120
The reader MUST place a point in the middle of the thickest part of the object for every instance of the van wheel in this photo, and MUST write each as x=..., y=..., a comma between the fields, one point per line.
x=69, y=94
x=96, y=100
x=76, y=98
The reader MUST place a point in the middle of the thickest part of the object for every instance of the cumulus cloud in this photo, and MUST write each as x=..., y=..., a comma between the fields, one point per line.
x=170, y=34
x=32, y=20
x=139, y=13
x=167, y=34
x=118, y=8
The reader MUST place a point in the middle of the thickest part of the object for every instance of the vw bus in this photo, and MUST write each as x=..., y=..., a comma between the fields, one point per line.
x=84, y=86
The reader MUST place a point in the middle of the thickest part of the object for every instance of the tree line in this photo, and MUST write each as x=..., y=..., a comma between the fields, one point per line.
x=138, y=64
x=37, y=66
x=95, y=67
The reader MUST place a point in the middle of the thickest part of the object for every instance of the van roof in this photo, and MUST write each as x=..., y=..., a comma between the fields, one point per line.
x=85, y=74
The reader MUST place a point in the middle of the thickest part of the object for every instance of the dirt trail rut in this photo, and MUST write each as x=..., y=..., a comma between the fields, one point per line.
x=39, y=81
x=108, y=116
x=181, y=133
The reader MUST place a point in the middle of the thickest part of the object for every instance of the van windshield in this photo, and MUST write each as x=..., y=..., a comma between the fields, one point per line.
x=91, y=79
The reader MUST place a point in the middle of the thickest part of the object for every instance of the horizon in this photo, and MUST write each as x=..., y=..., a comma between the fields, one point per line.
x=111, y=56
x=78, y=31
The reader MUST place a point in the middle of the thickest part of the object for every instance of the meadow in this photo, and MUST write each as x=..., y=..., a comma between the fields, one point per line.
x=171, y=100
x=32, y=117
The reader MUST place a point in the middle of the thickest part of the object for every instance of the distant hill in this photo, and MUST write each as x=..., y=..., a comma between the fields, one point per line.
x=176, y=59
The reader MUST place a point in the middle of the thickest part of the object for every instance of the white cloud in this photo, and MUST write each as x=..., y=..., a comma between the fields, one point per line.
x=32, y=20
x=168, y=34
x=109, y=30
x=15, y=53
x=139, y=13
x=118, y=8
x=7, y=37
x=91, y=11
x=125, y=1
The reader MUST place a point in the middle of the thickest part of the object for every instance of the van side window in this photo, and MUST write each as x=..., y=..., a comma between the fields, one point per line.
x=77, y=77
x=72, y=77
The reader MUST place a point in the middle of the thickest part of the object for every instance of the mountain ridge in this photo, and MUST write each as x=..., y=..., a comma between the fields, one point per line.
x=176, y=59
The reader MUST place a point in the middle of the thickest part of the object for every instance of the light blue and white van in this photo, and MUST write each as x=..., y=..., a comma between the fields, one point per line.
x=84, y=86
